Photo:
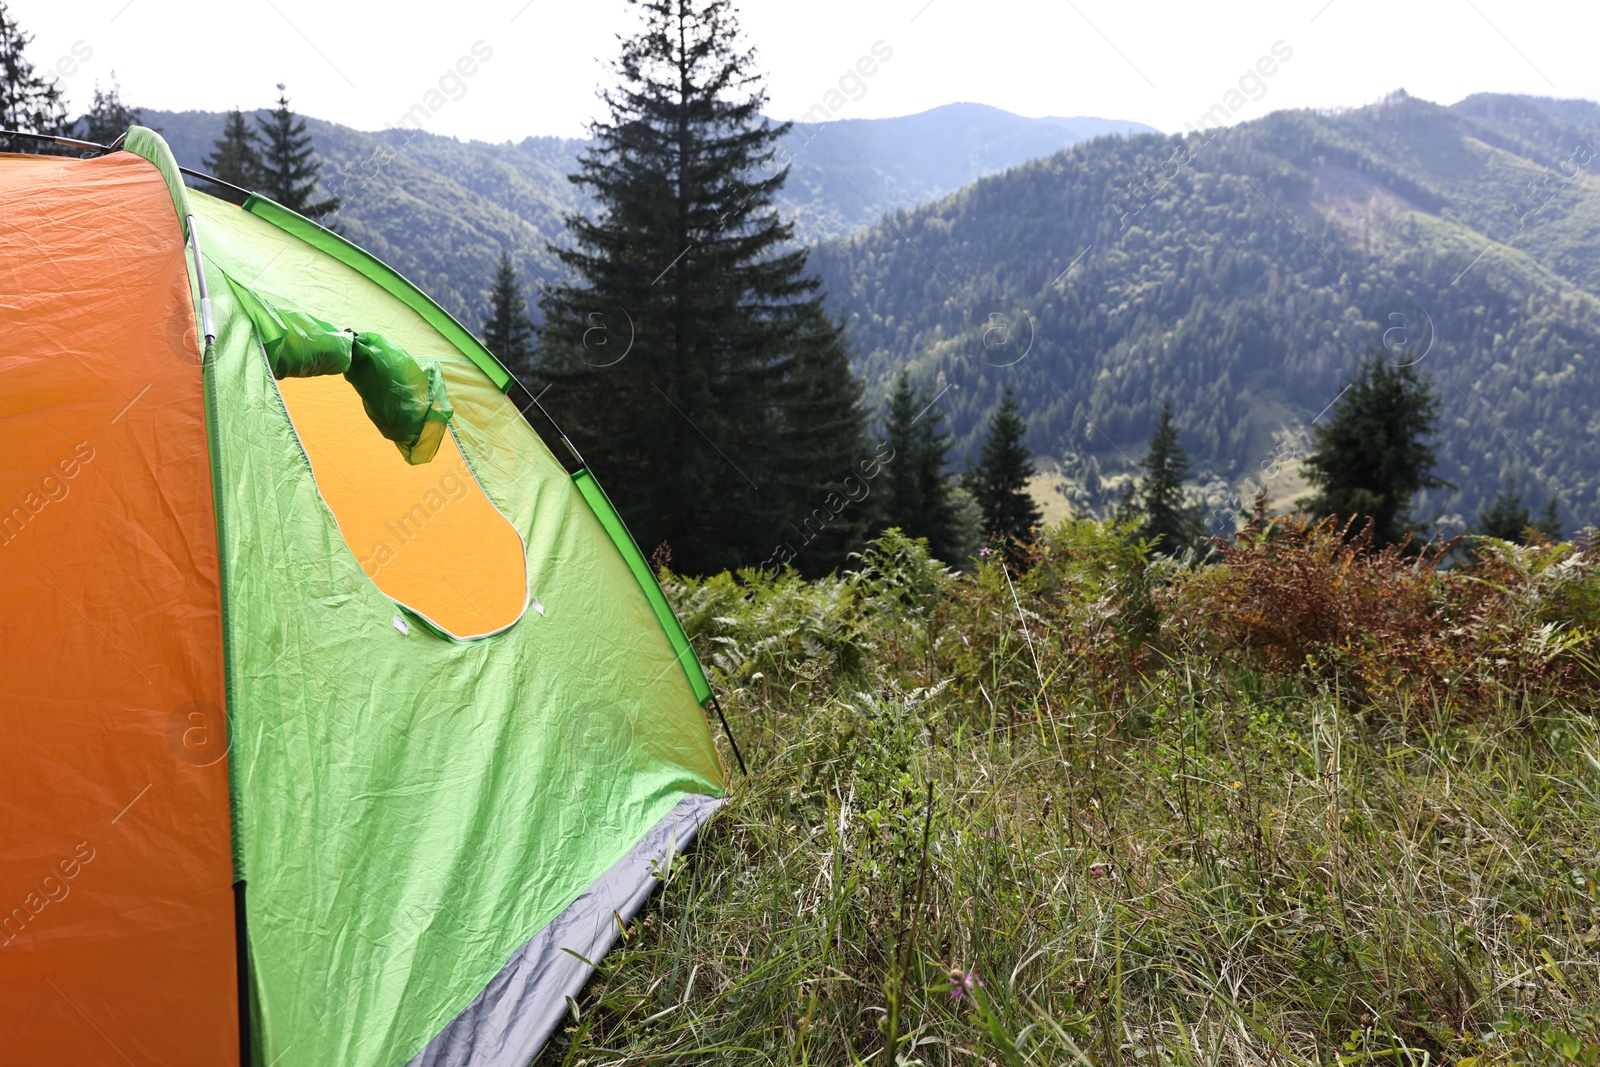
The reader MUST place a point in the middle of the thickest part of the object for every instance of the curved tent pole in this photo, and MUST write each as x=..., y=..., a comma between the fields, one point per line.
x=65, y=142
x=530, y=404
x=214, y=181
x=206, y=324
x=73, y=142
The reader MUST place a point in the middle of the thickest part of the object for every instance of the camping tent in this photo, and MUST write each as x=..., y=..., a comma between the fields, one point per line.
x=341, y=716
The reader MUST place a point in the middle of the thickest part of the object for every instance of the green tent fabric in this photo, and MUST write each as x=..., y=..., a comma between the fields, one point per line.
x=426, y=828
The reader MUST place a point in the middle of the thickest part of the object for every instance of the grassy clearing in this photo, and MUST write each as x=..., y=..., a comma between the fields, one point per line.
x=1067, y=814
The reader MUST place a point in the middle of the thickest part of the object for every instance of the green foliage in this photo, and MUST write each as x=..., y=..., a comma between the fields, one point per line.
x=1523, y=1040
x=507, y=332
x=1372, y=455
x=1157, y=501
x=28, y=102
x=734, y=413
x=1148, y=840
x=1000, y=480
x=288, y=164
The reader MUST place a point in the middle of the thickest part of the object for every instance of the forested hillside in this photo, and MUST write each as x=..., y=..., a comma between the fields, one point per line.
x=440, y=210
x=846, y=174
x=1240, y=278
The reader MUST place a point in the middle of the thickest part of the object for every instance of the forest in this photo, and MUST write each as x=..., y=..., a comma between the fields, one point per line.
x=1239, y=276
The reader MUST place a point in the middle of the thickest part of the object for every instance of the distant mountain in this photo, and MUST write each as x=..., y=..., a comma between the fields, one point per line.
x=441, y=210
x=848, y=173
x=1241, y=277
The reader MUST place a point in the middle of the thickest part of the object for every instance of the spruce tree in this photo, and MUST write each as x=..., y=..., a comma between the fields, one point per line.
x=1372, y=456
x=235, y=156
x=824, y=434
x=734, y=402
x=288, y=163
x=108, y=117
x=1157, y=500
x=1547, y=523
x=917, y=491
x=1509, y=519
x=1000, y=480
x=507, y=332
x=27, y=101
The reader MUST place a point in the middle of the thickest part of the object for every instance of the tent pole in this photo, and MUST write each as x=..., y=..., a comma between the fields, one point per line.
x=206, y=325
x=50, y=138
x=731, y=742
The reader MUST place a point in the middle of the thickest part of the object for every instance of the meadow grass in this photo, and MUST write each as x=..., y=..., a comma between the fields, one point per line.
x=966, y=840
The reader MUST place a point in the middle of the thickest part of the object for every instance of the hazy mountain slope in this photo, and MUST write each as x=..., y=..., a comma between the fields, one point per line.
x=847, y=173
x=1242, y=286
x=441, y=210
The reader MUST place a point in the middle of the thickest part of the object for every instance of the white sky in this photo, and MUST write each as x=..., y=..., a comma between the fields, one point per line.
x=1162, y=63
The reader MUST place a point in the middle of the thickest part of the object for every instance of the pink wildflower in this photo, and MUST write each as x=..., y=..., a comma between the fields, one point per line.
x=964, y=983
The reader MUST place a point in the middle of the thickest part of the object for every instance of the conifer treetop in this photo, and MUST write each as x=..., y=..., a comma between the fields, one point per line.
x=1372, y=455
x=288, y=163
x=508, y=332
x=28, y=102
x=109, y=116
x=235, y=156
x=733, y=422
x=1157, y=501
x=1000, y=480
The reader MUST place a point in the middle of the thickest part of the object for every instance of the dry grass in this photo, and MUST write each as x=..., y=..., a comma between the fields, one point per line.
x=1146, y=847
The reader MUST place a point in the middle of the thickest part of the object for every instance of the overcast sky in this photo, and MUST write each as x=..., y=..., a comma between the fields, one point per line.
x=1160, y=63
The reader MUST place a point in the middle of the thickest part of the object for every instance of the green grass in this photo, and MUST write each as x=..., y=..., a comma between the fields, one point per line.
x=1168, y=856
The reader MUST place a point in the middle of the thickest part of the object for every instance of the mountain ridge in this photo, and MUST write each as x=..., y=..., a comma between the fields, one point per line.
x=1231, y=272
x=439, y=210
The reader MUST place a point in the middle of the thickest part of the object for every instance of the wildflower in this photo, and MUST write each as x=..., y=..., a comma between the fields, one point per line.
x=1099, y=870
x=963, y=983
x=983, y=552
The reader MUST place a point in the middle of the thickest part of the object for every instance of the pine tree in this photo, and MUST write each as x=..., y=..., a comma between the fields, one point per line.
x=507, y=332
x=108, y=117
x=235, y=156
x=1000, y=480
x=734, y=401
x=1509, y=519
x=288, y=163
x=1157, y=500
x=27, y=102
x=917, y=490
x=1371, y=456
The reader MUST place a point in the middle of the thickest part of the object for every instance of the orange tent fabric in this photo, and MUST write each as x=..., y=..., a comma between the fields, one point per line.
x=116, y=913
